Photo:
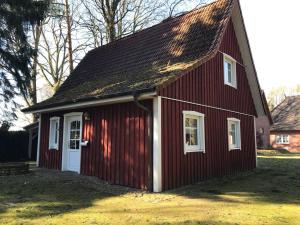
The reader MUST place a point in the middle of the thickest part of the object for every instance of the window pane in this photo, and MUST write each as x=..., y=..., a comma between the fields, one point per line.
x=72, y=144
x=77, y=144
x=75, y=134
x=73, y=125
x=55, y=137
x=56, y=132
x=278, y=139
x=189, y=122
x=229, y=73
x=191, y=137
x=233, y=134
x=232, y=138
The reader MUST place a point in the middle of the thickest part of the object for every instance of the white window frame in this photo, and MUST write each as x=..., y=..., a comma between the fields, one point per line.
x=201, y=132
x=232, y=61
x=238, y=134
x=52, y=144
x=281, y=142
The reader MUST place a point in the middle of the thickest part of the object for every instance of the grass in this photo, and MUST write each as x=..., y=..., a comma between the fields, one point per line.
x=268, y=195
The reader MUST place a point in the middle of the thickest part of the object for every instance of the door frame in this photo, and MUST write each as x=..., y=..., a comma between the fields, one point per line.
x=64, y=160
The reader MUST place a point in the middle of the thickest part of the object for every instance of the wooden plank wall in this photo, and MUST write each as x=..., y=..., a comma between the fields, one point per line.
x=205, y=85
x=50, y=159
x=179, y=169
x=118, y=149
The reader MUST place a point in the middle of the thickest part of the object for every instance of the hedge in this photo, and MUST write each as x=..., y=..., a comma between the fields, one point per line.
x=13, y=146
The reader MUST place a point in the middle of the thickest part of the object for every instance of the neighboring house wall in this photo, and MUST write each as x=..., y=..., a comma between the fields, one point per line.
x=205, y=85
x=117, y=150
x=294, y=140
x=263, y=132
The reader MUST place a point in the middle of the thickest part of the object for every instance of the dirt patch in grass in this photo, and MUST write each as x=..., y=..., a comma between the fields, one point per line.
x=267, y=195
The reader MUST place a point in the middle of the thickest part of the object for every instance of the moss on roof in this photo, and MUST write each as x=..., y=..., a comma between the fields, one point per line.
x=147, y=59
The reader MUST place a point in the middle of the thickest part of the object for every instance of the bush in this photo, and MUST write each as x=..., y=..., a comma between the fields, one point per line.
x=13, y=146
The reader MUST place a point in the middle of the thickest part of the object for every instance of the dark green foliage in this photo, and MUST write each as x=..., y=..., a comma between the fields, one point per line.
x=16, y=18
x=13, y=146
x=5, y=125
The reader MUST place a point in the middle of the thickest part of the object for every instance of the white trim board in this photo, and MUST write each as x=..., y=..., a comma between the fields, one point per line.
x=108, y=101
x=39, y=142
x=255, y=140
x=157, y=161
x=207, y=106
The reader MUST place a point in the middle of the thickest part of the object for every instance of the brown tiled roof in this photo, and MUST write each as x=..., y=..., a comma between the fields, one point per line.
x=286, y=116
x=145, y=60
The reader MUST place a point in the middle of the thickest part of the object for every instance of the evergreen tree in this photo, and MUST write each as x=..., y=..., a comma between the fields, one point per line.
x=16, y=77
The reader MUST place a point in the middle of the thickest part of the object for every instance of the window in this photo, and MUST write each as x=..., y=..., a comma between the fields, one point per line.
x=54, y=133
x=74, y=140
x=282, y=139
x=230, y=71
x=261, y=130
x=193, y=132
x=234, y=134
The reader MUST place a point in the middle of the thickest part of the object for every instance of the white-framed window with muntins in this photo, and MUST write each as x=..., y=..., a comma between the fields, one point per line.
x=230, y=71
x=54, y=133
x=193, y=132
x=282, y=139
x=234, y=134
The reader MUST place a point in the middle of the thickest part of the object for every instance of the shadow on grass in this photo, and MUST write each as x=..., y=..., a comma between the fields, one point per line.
x=46, y=193
x=276, y=180
x=50, y=193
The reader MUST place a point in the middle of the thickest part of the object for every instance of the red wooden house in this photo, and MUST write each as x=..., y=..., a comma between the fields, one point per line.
x=165, y=107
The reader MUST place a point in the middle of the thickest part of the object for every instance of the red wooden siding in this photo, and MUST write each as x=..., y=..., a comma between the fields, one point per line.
x=50, y=159
x=205, y=85
x=179, y=169
x=118, y=149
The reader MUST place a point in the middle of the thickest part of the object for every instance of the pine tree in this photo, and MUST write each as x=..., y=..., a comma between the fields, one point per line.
x=16, y=18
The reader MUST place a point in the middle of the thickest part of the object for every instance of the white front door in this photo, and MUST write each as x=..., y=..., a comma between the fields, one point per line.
x=73, y=141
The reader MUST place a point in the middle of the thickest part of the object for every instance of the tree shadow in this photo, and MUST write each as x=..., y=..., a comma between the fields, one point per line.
x=47, y=193
x=276, y=180
x=44, y=193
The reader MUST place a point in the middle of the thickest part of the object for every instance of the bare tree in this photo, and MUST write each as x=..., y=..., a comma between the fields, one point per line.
x=278, y=94
x=108, y=20
x=57, y=53
x=53, y=56
x=69, y=34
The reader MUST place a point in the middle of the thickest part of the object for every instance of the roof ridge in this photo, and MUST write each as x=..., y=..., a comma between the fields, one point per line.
x=277, y=106
x=165, y=21
x=284, y=100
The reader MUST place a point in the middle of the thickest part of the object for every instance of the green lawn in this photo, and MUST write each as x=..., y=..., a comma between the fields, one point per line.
x=268, y=195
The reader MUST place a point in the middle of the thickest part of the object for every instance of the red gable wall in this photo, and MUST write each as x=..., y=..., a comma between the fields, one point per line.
x=205, y=85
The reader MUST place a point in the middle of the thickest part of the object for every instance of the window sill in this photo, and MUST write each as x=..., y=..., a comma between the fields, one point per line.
x=194, y=151
x=53, y=149
x=231, y=85
x=235, y=149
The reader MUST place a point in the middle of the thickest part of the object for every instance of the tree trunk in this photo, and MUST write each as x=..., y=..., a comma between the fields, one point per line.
x=69, y=35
